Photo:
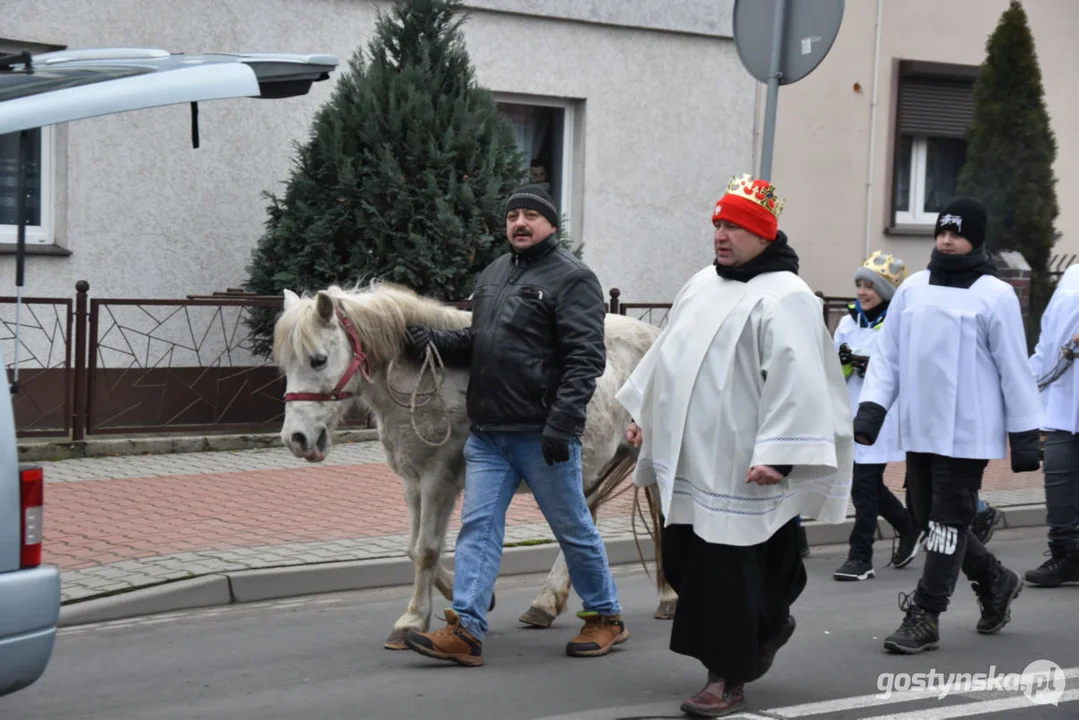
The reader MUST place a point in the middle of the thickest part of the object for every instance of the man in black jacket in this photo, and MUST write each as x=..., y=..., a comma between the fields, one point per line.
x=535, y=349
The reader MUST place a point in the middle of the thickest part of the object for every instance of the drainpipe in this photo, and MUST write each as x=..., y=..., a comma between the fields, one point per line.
x=872, y=134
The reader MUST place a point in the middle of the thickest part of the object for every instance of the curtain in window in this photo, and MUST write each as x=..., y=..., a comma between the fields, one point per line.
x=9, y=166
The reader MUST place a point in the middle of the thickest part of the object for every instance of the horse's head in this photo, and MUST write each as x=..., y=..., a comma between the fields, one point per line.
x=335, y=345
x=318, y=348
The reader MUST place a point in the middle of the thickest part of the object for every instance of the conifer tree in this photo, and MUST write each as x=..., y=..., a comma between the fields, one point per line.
x=404, y=175
x=1010, y=152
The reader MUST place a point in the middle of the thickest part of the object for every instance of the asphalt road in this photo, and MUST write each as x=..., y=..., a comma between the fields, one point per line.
x=320, y=658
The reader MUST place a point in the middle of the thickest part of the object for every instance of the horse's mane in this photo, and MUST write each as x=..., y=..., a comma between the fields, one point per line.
x=380, y=312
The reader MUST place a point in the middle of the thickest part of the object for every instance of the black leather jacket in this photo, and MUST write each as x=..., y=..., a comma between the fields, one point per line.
x=536, y=344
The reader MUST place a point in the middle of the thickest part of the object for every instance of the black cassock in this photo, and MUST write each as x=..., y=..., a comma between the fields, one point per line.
x=731, y=598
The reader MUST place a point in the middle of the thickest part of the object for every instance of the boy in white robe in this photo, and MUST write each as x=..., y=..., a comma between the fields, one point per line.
x=742, y=416
x=856, y=338
x=952, y=362
x=1052, y=365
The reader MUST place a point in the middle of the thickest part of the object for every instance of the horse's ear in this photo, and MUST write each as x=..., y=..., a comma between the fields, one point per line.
x=291, y=298
x=324, y=303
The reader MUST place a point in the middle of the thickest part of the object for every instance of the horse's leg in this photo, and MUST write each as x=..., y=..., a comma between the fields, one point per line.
x=668, y=598
x=396, y=640
x=551, y=601
x=443, y=575
x=436, y=504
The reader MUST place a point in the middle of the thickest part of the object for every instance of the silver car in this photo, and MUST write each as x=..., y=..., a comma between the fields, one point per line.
x=58, y=87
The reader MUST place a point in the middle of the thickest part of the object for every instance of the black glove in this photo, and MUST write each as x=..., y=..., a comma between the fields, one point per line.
x=1026, y=450
x=868, y=422
x=845, y=355
x=555, y=445
x=416, y=342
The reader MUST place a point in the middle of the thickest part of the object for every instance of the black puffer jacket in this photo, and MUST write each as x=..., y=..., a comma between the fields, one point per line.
x=536, y=343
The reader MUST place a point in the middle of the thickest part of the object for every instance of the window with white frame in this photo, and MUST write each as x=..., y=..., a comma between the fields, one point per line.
x=38, y=188
x=935, y=106
x=40, y=174
x=543, y=129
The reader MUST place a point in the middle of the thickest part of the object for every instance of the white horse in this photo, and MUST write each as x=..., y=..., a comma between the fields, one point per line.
x=345, y=346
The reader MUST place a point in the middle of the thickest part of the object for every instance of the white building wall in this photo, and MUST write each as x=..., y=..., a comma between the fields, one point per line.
x=663, y=115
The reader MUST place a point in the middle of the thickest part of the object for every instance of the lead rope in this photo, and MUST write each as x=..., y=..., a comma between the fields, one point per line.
x=1067, y=355
x=433, y=361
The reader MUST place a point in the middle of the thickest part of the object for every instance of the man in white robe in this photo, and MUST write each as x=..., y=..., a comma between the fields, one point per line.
x=952, y=359
x=741, y=412
x=1052, y=364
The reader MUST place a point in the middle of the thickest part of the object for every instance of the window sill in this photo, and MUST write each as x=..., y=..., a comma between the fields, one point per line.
x=53, y=250
x=911, y=230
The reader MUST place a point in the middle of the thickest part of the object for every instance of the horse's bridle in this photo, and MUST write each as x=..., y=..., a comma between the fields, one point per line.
x=359, y=362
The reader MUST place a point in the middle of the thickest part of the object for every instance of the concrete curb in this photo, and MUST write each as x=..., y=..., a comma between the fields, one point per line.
x=248, y=586
x=149, y=445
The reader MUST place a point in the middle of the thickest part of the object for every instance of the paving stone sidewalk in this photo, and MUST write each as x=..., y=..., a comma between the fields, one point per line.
x=116, y=524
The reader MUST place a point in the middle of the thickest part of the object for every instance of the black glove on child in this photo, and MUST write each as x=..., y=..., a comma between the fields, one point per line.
x=1026, y=450
x=868, y=422
x=555, y=445
x=845, y=355
x=416, y=342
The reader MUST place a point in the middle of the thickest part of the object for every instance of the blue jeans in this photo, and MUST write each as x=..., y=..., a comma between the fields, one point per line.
x=495, y=463
x=981, y=505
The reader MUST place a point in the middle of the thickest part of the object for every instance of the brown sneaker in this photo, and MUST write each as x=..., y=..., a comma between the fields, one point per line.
x=599, y=634
x=716, y=699
x=452, y=643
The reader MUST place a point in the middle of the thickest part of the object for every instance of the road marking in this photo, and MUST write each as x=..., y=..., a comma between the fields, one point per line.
x=867, y=701
x=982, y=707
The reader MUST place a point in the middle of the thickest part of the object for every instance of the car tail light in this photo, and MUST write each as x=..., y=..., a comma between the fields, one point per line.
x=32, y=506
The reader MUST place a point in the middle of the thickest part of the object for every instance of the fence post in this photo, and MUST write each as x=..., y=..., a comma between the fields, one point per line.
x=615, y=293
x=78, y=419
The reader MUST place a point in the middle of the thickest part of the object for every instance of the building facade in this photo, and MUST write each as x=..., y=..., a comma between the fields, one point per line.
x=636, y=113
x=868, y=146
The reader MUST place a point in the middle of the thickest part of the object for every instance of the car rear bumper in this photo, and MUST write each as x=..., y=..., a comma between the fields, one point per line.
x=29, y=613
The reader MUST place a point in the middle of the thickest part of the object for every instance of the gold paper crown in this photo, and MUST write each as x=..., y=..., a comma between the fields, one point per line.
x=888, y=267
x=760, y=192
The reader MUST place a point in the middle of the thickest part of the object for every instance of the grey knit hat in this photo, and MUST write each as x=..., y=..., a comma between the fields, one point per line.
x=534, y=197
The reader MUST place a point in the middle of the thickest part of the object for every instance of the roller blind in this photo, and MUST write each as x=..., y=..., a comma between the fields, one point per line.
x=935, y=107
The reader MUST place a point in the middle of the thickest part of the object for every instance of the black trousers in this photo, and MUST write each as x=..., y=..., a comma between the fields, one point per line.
x=872, y=498
x=942, y=495
x=730, y=598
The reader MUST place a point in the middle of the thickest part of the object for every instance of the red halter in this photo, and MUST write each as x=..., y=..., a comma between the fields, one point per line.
x=359, y=362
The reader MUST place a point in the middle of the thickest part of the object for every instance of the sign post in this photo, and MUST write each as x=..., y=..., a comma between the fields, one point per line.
x=780, y=42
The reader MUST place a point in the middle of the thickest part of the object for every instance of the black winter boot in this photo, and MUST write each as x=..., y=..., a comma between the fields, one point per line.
x=1061, y=567
x=920, y=630
x=995, y=599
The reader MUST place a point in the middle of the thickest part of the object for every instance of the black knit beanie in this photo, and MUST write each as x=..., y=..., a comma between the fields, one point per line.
x=534, y=197
x=966, y=218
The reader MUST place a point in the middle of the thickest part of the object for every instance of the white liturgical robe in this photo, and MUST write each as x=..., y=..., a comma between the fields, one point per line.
x=863, y=341
x=1060, y=321
x=954, y=363
x=744, y=374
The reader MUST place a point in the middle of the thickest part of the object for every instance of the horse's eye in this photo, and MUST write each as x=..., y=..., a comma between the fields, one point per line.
x=318, y=361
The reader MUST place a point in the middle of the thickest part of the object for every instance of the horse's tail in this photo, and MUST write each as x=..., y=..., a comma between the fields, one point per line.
x=613, y=474
x=653, y=524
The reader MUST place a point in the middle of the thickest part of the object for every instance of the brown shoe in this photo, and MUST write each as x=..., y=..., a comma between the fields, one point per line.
x=452, y=643
x=767, y=650
x=716, y=699
x=599, y=634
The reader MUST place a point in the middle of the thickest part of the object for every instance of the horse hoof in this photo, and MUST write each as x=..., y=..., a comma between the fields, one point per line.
x=537, y=618
x=666, y=609
x=396, y=640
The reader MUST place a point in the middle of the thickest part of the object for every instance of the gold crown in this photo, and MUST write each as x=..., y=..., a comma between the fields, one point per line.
x=760, y=192
x=888, y=267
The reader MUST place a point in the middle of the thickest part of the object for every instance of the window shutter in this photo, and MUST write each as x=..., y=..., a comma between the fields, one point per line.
x=935, y=107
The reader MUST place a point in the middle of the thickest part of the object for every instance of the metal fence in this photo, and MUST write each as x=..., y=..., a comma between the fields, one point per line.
x=94, y=366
